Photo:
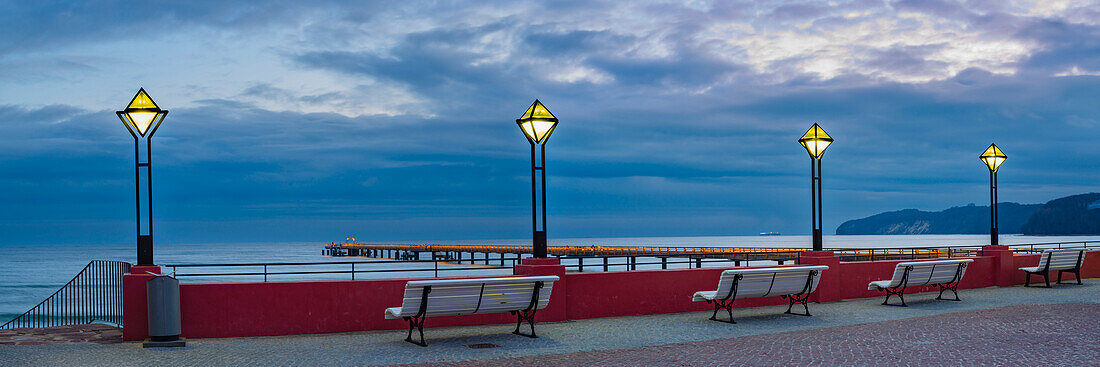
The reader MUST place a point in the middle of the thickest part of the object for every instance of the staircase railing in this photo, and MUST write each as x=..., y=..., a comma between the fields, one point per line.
x=94, y=294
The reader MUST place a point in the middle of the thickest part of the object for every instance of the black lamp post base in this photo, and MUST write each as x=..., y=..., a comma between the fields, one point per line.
x=145, y=250
x=818, y=243
x=540, y=244
x=177, y=342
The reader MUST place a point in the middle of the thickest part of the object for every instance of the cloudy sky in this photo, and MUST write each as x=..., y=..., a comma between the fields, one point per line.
x=310, y=121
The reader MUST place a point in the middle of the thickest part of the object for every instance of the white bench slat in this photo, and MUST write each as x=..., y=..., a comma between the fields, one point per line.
x=1059, y=259
x=758, y=282
x=922, y=273
x=468, y=296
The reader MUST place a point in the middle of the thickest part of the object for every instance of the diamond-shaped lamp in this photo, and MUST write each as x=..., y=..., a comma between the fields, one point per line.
x=816, y=141
x=537, y=123
x=993, y=157
x=142, y=114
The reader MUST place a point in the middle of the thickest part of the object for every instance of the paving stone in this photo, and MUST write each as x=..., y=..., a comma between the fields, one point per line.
x=68, y=334
x=991, y=326
x=1016, y=335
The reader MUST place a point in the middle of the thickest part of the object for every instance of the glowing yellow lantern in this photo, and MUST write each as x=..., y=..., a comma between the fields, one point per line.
x=142, y=114
x=537, y=123
x=816, y=140
x=993, y=157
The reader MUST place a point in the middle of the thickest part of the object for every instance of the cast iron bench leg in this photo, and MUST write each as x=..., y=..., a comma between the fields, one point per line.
x=719, y=305
x=529, y=317
x=418, y=323
x=798, y=298
x=949, y=287
x=895, y=292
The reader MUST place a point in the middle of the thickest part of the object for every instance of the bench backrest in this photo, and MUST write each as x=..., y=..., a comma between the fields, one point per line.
x=1059, y=259
x=484, y=295
x=928, y=272
x=767, y=282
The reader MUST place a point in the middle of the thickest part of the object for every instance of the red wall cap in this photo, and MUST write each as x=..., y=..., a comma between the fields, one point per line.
x=545, y=261
x=817, y=254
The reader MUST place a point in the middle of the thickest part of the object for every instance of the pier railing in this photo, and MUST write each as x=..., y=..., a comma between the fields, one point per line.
x=454, y=260
x=279, y=270
x=914, y=253
x=682, y=254
x=93, y=295
x=1039, y=247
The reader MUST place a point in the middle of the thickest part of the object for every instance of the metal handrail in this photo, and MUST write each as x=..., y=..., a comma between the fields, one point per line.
x=323, y=263
x=634, y=263
x=94, y=294
x=693, y=255
x=333, y=272
x=435, y=269
x=652, y=250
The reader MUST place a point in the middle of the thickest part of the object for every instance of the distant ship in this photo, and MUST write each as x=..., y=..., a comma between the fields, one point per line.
x=769, y=233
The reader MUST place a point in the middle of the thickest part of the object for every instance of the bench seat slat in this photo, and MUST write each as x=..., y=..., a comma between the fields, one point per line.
x=922, y=273
x=468, y=296
x=1058, y=259
x=758, y=282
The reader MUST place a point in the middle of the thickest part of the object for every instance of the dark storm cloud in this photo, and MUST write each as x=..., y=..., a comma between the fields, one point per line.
x=912, y=60
x=943, y=8
x=1064, y=45
x=797, y=12
x=39, y=25
x=660, y=135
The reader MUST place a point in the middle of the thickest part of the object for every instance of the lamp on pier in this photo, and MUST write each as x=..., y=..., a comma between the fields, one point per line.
x=993, y=157
x=142, y=117
x=816, y=140
x=537, y=123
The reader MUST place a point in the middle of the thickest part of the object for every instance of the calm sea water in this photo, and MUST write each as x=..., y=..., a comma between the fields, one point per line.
x=29, y=274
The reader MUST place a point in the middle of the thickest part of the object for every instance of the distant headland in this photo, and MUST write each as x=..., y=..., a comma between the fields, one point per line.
x=1070, y=215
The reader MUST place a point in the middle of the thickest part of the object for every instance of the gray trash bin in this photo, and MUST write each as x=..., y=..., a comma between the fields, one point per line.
x=163, y=302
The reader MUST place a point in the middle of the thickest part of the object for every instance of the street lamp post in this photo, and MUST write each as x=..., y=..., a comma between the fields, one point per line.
x=537, y=123
x=816, y=141
x=993, y=157
x=142, y=117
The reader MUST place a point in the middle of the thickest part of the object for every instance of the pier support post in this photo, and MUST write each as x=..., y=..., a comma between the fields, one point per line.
x=828, y=288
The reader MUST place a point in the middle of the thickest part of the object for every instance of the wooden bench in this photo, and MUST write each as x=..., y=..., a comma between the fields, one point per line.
x=945, y=274
x=520, y=296
x=1057, y=259
x=794, y=283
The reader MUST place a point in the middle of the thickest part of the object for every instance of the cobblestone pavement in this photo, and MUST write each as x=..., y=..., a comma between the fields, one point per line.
x=763, y=331
x=69, y=334
x=1038, y=335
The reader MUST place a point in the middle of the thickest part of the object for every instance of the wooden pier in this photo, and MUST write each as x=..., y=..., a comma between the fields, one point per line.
x=780, y=255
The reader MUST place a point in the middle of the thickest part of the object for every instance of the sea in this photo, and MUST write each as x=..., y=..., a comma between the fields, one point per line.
x=30, y=273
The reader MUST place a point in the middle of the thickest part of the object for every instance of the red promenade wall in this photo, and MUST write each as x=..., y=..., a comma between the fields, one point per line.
x=643, y=292
x=281, y=308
